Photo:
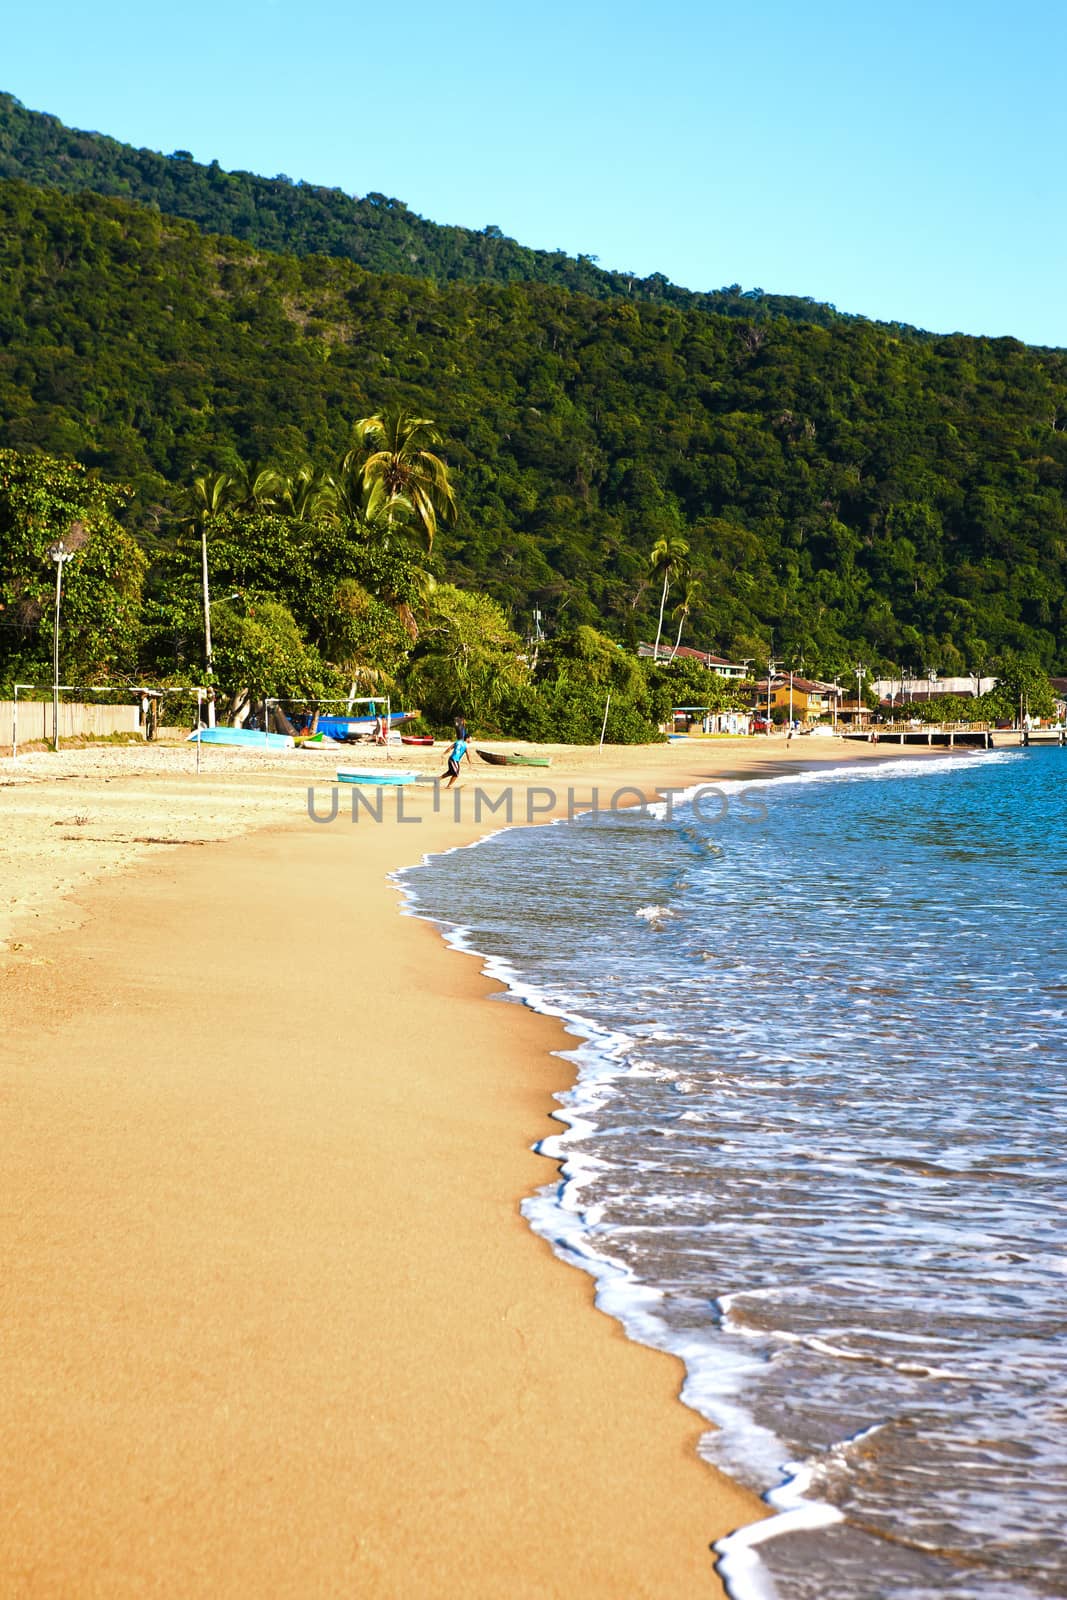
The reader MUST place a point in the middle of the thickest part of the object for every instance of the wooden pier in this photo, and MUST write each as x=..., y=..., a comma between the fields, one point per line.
x=963, y=738
x=950, y=738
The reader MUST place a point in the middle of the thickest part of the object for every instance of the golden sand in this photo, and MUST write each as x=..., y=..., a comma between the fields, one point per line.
x=273, y=1323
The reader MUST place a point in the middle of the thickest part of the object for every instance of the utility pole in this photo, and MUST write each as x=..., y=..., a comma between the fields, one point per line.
x=861, y=673
x=771, y=670
x=61, y=554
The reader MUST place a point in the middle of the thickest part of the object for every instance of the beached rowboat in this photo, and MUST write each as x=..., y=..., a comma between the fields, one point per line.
x=247, y=738
x=498, y=758
x=380, y=775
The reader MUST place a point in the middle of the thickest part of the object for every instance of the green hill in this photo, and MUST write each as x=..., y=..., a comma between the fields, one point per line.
x=301, y=219
x=843, y=489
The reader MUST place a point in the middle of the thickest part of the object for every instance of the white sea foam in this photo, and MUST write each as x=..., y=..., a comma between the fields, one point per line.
x=655, y=916
x=718, y=1373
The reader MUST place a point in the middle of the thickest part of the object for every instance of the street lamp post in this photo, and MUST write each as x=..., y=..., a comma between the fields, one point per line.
x=61, y=554
x=771, y=670
x=209, y=667
x=861, y=673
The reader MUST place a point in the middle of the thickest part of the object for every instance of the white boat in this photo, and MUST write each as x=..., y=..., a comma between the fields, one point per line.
x=379, y=775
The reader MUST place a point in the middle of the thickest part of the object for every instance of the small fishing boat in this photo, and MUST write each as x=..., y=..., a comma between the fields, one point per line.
x=379, y=775
x=498, y=758
x=351, y=728
x=416, y=738
x=247, y=738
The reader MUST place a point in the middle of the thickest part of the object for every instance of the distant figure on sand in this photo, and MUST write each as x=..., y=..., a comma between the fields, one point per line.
x=460, y=726
x=459, y=749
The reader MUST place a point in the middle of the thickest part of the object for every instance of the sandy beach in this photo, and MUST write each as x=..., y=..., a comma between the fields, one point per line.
x=273, y=1322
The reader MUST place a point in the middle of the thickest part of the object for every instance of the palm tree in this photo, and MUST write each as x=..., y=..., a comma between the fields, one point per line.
x=256, y=485
x=349, y=499
x=691, y=597
x=668, y=558
x=398, y=474
x=305, y=494
x=210, y=494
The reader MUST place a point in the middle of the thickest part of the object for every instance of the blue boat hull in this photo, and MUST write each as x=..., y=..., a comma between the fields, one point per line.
x=249, y=738
x=353, y=775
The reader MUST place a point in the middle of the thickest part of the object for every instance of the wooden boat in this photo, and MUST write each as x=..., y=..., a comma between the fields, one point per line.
x=498, y=758
x=416, y=738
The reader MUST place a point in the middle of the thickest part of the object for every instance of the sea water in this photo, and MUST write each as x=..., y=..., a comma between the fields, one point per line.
x=816, y=1144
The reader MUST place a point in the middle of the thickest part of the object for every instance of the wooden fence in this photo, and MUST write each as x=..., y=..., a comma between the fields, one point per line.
x=75, y=719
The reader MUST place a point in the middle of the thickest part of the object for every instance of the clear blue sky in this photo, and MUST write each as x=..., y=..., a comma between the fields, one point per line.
x=902, y=161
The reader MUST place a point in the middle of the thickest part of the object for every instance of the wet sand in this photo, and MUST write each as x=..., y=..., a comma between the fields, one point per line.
x=274, y=1324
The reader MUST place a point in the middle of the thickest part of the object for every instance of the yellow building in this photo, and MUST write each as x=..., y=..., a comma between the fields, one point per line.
x=808, y=698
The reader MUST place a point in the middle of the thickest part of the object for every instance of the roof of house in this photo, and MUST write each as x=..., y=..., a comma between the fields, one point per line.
x=805, y=685
x=667, y=652
x=800, y=685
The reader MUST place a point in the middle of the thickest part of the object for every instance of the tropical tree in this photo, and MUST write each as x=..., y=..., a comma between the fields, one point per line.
x=44, y=500
x=263, y=652
x=211, y=493
x=668, y=559
x=306, y=495
x=397, y=475
x=691, y=597
x=468, y=658
x=254, y=485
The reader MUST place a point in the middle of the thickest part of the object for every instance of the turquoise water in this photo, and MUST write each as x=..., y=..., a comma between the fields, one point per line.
x=816, y=1146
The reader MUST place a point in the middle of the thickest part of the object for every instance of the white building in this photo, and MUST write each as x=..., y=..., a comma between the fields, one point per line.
x=909, y=687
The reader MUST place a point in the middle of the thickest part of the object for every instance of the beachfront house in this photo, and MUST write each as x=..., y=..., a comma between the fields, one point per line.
x=716, y=664
x=803, y=699
x=702, y=719
x=854, y=713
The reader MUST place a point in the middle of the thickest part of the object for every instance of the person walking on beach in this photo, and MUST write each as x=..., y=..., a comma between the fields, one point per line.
x=460, y=726
x=460, y=748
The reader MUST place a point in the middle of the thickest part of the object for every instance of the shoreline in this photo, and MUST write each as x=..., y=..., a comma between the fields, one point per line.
x=223, y=1258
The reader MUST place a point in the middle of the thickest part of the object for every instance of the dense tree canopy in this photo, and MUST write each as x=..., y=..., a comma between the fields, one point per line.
x=302, y=219
x=845, y=493
x=44, y=503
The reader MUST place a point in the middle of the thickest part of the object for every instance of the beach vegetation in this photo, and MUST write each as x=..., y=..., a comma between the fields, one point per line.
x=630, y=463
x=467, y=660
x=260, y=652
x=668, y=560
x=42, y=502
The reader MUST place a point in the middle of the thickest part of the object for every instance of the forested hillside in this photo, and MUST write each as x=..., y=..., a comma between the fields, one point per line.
x=841, y=490
x=301, y=219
